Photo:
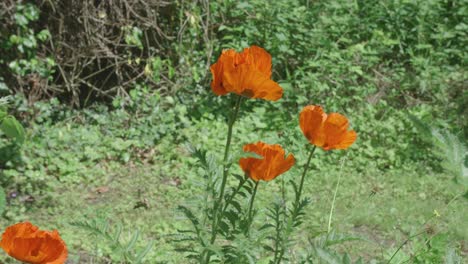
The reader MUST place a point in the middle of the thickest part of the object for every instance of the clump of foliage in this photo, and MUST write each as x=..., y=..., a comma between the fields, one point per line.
x=141, y=77
x=27, y=67
x=67, y=146
x=14, y=134
x=120, y=250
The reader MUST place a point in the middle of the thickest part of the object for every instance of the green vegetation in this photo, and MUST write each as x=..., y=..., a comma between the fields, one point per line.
x=108, y=150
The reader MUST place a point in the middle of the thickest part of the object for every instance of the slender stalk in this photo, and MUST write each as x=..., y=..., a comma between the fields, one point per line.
x=226, y=150
x=296, y=204
x=280, y=256
x=404, y=243
x=334, y=197
x=218, y=201
x=424, y=231
x=225, y=170
x=278, y=236
x=236, y=191
x=251, y=206
x=306, y=168
x=251, y=202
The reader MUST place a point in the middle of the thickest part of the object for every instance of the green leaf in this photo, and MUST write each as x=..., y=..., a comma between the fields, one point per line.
x=132, y=242
x=144, y=252
x=2, y=200
x=118, y=232
x=13, y=129
x=346, y=259
x=327, y=256
x=3, y=114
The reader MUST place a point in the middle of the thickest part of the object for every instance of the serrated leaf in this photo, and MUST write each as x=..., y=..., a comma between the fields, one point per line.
x=237, y=205
x=118, y=232
x=327, y=256
x=266, y=247
x=133, y=240
x=224, y=227
x=144, y=252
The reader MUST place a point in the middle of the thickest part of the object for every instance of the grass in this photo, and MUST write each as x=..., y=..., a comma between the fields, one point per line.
x=382, y=206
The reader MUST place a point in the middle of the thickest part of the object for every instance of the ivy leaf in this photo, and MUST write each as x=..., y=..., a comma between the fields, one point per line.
x=13, y=129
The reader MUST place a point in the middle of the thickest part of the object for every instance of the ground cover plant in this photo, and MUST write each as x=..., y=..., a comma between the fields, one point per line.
x=123, y=136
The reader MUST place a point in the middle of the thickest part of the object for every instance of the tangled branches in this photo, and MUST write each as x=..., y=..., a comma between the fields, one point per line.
x=102, y=48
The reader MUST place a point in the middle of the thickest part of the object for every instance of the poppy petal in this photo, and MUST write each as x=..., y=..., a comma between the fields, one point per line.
x=246, y=73
x=326, y=131
x=311, y=122
x=27, y=243
x=347, y=140
x=217, y=82
x=334, y=129
x=260, y=59
x=247, y=81
x=286, y=165
x=270, y=166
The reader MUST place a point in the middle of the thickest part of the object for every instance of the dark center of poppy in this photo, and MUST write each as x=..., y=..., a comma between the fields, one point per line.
x=248, y=93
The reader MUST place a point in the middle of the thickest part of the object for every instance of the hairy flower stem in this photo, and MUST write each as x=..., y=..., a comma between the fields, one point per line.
x=251, y=207
x=296, y=207
x=277, y=239
x=306, y=168
x=334, y=197
x=217, y=202
x=231, y=197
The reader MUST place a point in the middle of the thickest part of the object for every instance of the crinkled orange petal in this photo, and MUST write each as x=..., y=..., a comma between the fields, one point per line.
x=55, y=248
x=347, y=140
x=285, y=164
x=326, y=131
x=25, y=230
x=217, y=82
x=260, y=59
x=270, y=166
x=27, y=243
x=246, y=73
x=335, y=129
x=255, y=148
x=311, y=121
x=247, y=81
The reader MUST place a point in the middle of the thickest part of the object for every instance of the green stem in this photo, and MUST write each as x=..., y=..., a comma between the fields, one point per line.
x=404, y=243
x=218, y=201
x=251, y=206
x=330, y=216
x=296, y=204
x=280, y=256
x=424, y=231
x=278, y=236
x=226, y=150
x=306, y=168
x=231, y=197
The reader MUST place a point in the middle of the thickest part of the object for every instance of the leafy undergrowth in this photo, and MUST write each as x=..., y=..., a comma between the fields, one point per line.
x=97, y=172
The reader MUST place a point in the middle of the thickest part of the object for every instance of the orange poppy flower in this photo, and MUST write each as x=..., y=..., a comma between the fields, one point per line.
x=270, y=166
x=26, y=243
x=245, y=73
x=326, y=131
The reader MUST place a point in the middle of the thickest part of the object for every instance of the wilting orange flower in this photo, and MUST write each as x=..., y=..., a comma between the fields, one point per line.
x=245, y=73
x=25, y=242
x=326, y=131
x=273, y=163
